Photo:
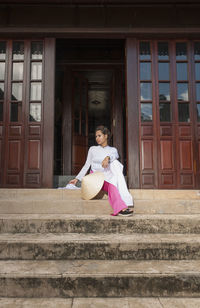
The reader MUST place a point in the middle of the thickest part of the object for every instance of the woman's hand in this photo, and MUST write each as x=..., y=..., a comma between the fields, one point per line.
x=105, y=162
x=74, y=181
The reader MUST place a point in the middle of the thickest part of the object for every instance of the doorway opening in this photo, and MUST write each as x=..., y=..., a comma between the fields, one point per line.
x=91, y=106
x=89, y=92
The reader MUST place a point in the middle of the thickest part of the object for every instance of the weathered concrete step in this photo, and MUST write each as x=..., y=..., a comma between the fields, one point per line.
x=61, y=223
x=99, y=278
x=65, y=194
x=99, y=246
x=98, y=207
x=123, y=302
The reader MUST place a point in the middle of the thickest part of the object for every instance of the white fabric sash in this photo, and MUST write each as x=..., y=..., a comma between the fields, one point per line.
x=116, y=169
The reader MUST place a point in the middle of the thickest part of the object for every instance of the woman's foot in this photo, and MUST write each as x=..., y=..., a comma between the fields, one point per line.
x=126, y=213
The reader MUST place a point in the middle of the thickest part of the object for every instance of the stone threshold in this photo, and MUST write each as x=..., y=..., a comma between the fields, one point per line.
x=125, y=302
x=59, y=194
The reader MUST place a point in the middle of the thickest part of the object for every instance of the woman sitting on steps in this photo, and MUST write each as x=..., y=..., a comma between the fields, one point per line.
x=104, y=158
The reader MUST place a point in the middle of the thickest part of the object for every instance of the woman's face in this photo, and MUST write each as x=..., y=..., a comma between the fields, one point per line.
x=101, y=139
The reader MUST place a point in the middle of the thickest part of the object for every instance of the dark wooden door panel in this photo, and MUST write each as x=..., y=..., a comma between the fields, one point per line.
x=34, y=155
x=185, y=131
x=33, y=179
x=34, y=130
x=186, y=155
x=147, y=180
x=13, y=180
x=15, y=130
x=167, y=179
x=166, y=131
x=147, y=155
x=147, y=159
x=147, y=131
x=187, y=180
x=14, y=155
x=167, y=155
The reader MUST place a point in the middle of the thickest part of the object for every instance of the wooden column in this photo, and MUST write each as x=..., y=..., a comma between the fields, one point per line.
x=49, y=98
x=118, y=114
x=132, y=114
x=67, y=122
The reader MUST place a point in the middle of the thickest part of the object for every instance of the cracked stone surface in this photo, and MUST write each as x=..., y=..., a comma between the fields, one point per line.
x=99, y=246
x=44, y=223
x=94, y=260
x=99, y=278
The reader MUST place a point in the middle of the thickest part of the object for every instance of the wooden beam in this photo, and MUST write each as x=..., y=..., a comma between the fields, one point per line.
x=100, y=2
x=83, y=32
x=132, y=115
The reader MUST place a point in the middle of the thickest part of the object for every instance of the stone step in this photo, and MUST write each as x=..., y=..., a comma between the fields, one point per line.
x=91, y=302
x=67, y=279
x=99, y=207
x=77, y=246
x=61, y=201
x=65, y=194
x=64, y=223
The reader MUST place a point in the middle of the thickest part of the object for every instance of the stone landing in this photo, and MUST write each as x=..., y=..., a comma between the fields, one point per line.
x=62, y=201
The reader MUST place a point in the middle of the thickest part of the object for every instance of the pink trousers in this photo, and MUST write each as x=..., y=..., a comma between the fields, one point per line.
x=114, y=198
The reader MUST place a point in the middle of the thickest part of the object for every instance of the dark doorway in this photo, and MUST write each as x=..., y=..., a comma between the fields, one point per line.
x=89, y=92
x=92, y=104
x=100, y=89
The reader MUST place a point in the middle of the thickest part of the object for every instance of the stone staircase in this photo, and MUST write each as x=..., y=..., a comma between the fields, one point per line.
x=57, y=250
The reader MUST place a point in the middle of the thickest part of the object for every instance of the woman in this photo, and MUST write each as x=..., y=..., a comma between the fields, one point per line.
x=104, y=158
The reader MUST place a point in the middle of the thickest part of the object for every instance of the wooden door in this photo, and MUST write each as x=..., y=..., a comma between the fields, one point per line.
x=169, y=111
x=24, y=117
x=80, y=122
x=22, y=114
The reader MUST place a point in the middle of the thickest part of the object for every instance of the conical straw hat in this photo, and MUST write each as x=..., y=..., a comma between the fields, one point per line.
x=91, y=185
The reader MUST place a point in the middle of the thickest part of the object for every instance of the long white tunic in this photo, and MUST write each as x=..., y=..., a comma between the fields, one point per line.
x=112, y=174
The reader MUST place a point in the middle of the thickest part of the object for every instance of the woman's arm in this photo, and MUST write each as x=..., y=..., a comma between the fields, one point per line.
x=113, y=154
x=84, y=169
x=105, y=162
x=74, y=181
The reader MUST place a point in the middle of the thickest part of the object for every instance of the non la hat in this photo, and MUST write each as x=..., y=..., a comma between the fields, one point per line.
x=91, y=185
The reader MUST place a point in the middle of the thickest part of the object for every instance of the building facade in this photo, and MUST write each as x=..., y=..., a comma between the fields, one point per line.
x=68, y=66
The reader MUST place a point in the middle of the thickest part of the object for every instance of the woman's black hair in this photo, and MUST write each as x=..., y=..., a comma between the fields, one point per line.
x=104, y=131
